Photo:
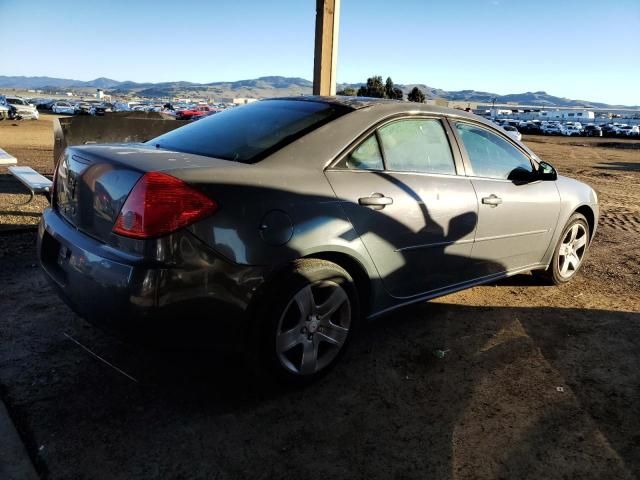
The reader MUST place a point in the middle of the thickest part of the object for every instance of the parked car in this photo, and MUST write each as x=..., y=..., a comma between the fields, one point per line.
x=552, y=129
x=609, y=130
x=100, y=109
x=628, y=131
x=44, y=104
x=530, y=128
x=21, y=109
x=571, y=130
x=64, y=108
x=592, y=131
x=5, y=108
x=200, y=117
x=512, y=132
x=190, y=113
x=83, y=108
x=282, y=224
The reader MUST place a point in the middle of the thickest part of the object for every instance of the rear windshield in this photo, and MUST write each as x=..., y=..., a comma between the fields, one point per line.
x=251, y=132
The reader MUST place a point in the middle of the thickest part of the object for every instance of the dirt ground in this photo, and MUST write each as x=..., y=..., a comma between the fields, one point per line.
x=536, y=381
x=31, y=142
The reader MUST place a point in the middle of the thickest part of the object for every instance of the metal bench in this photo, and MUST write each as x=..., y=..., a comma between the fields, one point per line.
x=31, y=179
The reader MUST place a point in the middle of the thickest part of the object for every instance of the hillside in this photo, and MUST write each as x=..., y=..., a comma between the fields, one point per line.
x=277, y=86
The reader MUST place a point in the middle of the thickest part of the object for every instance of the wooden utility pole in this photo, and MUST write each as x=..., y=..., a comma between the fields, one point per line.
x=326, y=50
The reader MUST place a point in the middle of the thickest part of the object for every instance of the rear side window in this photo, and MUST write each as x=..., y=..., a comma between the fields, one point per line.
x=251, y=132
x=419, y=145
x=491, y=155
x=365, y=157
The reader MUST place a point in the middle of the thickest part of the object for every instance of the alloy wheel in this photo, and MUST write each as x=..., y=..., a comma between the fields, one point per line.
x=572, y=250
x=313, y=328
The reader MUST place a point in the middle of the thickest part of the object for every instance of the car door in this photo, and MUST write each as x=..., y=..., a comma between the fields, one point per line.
x=517, y=213
x=416, y=216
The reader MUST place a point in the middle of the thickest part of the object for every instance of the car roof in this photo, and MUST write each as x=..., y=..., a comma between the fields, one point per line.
x=399, y=106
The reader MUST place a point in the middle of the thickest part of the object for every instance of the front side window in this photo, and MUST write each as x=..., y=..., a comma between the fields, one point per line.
x=419, y=145
x=491, y=155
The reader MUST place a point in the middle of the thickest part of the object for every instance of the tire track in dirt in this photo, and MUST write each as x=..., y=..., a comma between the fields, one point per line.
x=621, y=220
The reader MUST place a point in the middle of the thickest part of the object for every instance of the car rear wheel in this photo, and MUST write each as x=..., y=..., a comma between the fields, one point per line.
x=570, y=251
x=312, y=311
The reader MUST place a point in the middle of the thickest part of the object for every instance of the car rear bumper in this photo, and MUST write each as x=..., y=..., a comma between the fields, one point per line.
x=138, y=299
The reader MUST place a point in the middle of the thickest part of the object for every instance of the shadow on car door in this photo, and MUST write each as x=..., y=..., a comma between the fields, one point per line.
x=416, y=216
x=517, y=212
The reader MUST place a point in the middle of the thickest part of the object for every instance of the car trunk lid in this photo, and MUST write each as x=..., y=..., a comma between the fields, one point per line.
x=93, y=182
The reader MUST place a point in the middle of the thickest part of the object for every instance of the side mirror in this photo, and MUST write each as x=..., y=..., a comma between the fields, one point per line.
x=546, y=171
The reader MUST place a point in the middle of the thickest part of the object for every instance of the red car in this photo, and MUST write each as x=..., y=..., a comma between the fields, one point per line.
x=197, y=111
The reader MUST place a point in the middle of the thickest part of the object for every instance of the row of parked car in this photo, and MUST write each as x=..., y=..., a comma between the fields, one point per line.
x=182, y=111
x=535, y=127
x=65, y=107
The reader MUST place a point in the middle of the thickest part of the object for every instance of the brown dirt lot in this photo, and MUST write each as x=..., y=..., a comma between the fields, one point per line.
x=31, y=142
x=537, y=382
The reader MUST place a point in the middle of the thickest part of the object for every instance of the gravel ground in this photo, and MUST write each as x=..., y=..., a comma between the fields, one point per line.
x=535, y=382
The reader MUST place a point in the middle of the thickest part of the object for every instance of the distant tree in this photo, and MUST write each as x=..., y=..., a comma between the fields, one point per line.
x=374, y=88
x=347, y=92
x=416, y=95
x=391, y=91
x=388, y=88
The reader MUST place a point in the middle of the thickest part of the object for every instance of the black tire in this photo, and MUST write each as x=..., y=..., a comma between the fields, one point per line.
x=279, y=314
x=553, y=273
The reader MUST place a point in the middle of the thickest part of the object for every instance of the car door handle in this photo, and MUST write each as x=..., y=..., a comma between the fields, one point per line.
x=376, y=200
x=492, y=200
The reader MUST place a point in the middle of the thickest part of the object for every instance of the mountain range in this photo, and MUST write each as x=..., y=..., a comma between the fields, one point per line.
x=277, y=86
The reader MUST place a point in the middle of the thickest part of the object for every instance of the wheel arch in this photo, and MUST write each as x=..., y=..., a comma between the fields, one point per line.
x=353, y=266
x=357, y=272
x=590, y=215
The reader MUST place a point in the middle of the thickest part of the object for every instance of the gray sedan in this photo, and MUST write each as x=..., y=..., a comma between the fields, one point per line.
x=279, y=226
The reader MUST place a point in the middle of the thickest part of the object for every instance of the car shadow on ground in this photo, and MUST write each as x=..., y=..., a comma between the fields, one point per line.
x=523, y=280
x=433, y=391
x=9, y=184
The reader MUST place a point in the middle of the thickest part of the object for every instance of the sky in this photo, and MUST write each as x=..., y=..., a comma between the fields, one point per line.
x=580, y=49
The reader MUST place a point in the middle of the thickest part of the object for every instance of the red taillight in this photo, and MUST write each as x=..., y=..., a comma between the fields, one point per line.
x=160, y=204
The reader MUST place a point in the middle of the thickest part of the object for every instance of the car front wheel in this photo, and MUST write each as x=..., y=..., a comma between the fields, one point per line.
x=312, y=310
